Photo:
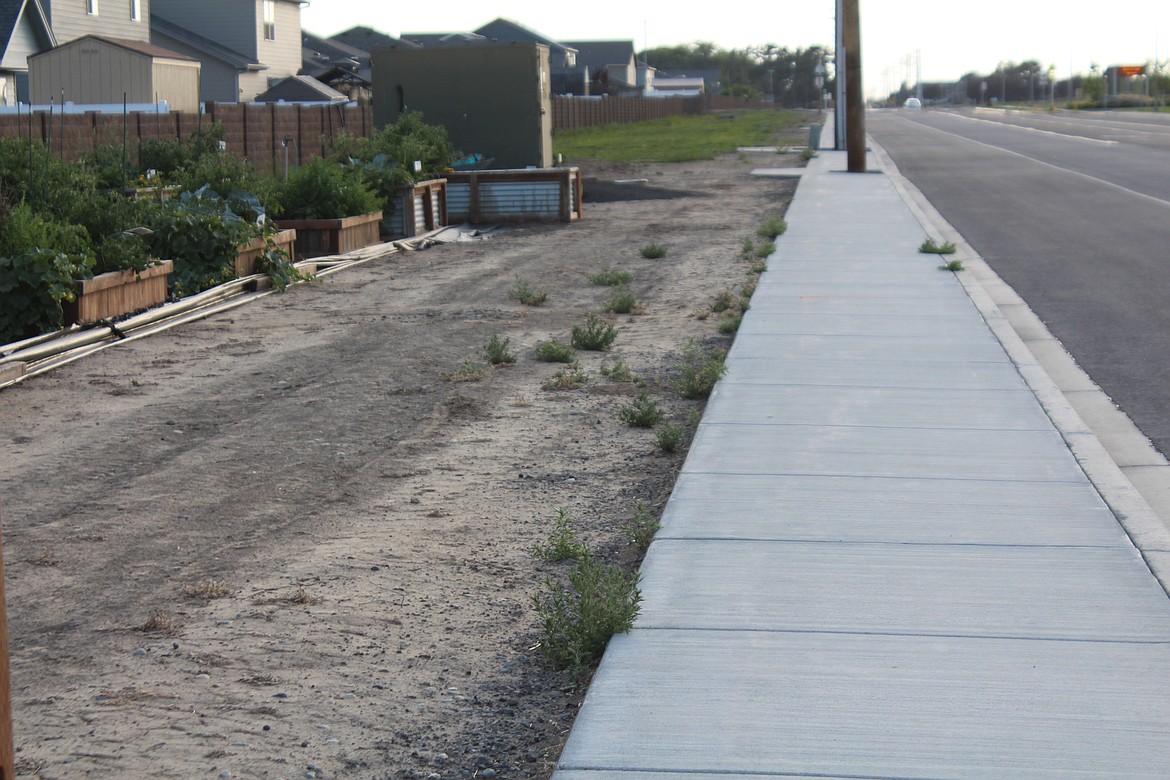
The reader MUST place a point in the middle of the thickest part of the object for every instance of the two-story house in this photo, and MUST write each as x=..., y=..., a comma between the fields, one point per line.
x=125, y=19
x=245, y=46
x=24, y=30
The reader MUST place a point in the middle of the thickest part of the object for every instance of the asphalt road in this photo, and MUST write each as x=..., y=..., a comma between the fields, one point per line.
x=1071, y=210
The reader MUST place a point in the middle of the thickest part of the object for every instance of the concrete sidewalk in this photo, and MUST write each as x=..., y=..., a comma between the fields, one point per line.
x=882, y=560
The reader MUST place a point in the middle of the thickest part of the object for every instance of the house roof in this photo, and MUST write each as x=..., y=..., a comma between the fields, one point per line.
x=301, y=89
x=598, y=54
x=329, y=51
x=10, y=14
x=138, y=47
x=507, y=30
x=444, y=39
x=212, y=49
x=367, y=39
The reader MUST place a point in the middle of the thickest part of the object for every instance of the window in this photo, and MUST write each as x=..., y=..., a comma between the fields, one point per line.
x=91, y=7
x=269, y=20
x=136, y=10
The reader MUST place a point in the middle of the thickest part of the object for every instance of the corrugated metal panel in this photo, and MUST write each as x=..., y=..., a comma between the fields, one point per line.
x=519, y=200
x=420, y=213
x=458, y=202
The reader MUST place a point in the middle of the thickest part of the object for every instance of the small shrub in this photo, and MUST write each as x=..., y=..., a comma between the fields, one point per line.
x=730, y=323
x=617, y=372
x=699, y=370
x=642, y=412
x=765, y=248
x=669, y=437
x=596, y=334
x=749, y=248
x=522, y=291
x=640, y=528
x=952, y=265
x=609, y=277
x=748, y=290
x=563, y=544
x=723, y=301
x=554, y=352
x=323, y=190
x=497, y=351
x=653, y=251
x=468, y=371
x=570, y=377
x=759, y=268
x=930, y=248
x=808, y=154
x=622, y=301
x=772, y=227
x=578, y=620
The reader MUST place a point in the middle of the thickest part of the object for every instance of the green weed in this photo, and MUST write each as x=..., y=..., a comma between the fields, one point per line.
x=772, y=227
x=622, y=301
x=669, y=437
x=952, y=265
x=640, y=528
x=497, y=351
x=929, y=247
x=698, y=371
x=642, y=412
x=563, y=543
x=596, y=334
x=653, y=251
x=617, y=372
x=570, y=377
x=468, y=371
x=609, y=277
x=523, y=292
x=554, y=351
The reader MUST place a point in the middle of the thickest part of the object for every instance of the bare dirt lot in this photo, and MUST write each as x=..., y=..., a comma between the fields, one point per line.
x=284, y=543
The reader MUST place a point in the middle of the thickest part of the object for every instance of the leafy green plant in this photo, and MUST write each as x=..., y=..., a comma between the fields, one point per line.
x=952, y=265
x=642, y=412
x=653, y=251
x=554, y=351
x=617, y=371
x=522, y=291
x=596, y=334
x=563, y=544
x=640, y=528
x=772, y=227
x=759, y=268
x=808, y=154
x=669, y=437
x=200, y=233
x=609, y=277
x=570, y=377
x=723, y=300
x=578, y=620
x=730, y=323
x=33, y=285
x=322, y=190
x=765, y=248
x=929, y=247
x=622, y=301
x=748, y=249
x=497, y=350
x=698, y=371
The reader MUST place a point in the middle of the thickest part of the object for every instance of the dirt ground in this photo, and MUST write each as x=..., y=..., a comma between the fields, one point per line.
x=284, y=543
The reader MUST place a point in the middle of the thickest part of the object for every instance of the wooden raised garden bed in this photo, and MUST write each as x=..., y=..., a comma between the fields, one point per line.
x=321, y=237
x=117, y=293
x=422, y=207
x=250, y=252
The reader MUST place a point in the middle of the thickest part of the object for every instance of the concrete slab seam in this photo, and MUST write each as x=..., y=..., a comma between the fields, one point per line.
x=1147, y=531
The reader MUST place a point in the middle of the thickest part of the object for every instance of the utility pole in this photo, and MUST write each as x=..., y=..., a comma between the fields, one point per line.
x=854, y=96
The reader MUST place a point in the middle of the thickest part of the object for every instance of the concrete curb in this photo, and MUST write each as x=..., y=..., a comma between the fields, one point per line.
x=1146, y=528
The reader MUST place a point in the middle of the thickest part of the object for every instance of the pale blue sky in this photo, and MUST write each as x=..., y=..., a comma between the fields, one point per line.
x=954, y=38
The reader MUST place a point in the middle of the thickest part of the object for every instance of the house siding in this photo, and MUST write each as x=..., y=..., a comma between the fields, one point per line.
x=282, y=55
x=70, y=21
x=233, y=23
x=22, y=44
x=218, y=81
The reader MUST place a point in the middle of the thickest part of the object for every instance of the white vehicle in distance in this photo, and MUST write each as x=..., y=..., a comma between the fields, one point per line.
x=913, y=102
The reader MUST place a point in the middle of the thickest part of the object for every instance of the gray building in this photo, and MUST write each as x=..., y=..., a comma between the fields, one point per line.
x=494, y=99
x=125, y=19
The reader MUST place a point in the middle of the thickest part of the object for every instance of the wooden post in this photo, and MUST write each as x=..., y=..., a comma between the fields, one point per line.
x=854, y=96
x=7, y=760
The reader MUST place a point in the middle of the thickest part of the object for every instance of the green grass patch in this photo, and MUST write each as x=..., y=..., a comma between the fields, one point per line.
x=653, y=251
x=610, y=277
x=675, y=139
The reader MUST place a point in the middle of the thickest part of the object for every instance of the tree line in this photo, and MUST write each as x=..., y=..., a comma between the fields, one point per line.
x=790, y=75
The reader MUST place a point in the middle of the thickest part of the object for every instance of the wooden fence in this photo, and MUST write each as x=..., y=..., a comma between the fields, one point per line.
x=569, y=113
x=257, y=131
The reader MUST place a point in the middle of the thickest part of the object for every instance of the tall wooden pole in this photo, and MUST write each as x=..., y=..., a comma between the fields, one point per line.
x=7, y=759
x=854, y=96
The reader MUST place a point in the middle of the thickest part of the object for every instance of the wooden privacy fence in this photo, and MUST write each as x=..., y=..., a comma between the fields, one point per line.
x=262, y=132
x=570, y=113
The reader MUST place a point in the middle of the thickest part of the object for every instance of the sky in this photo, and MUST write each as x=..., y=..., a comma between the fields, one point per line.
x=949, y=39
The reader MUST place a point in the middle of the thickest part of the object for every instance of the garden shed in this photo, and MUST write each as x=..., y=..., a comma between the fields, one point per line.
x=97, y=69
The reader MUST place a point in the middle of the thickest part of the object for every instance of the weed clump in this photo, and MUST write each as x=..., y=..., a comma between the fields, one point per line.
x=730, y=323
x=497, y=351
x=640, y=528
x=653, y=251
x=570, y=377
x=523, y=292
x=669, y=437
x=596, y=334
x=563, y=544
x=642, y=412
x=617, y=372
x=699, y=370
x=578, y=619
x=609, y=277
x=952, y=265
x=468, y=371
x=206, y=590
x=622, y=301
x=772, y=227
x=929, y=247
x=765, y=248
x=554, y=351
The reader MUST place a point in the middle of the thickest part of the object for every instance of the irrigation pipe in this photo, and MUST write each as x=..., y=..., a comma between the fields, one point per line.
x=40, y=354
